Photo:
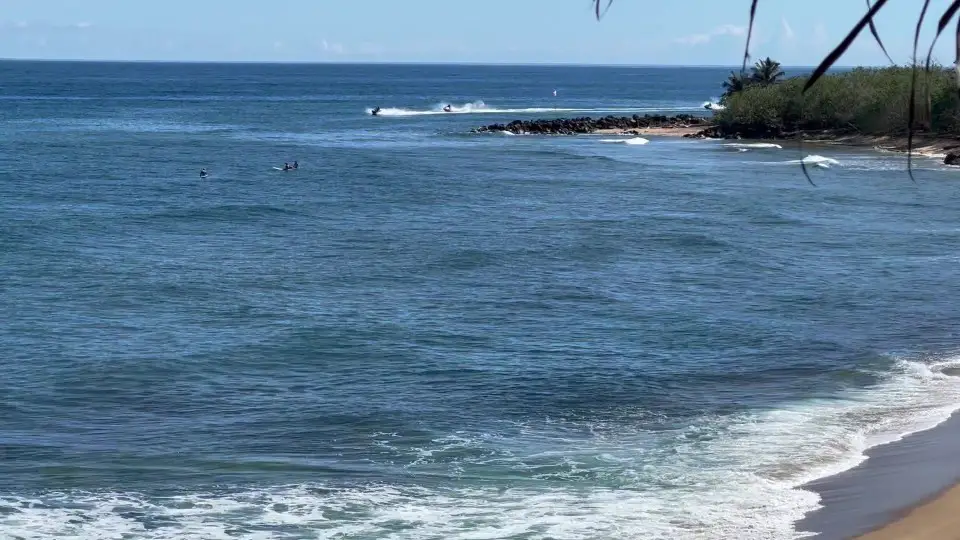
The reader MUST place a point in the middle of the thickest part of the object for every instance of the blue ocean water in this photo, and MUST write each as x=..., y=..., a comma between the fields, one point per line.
x=424, y=333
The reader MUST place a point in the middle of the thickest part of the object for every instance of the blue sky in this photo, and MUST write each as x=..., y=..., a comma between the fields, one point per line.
x=678, y=32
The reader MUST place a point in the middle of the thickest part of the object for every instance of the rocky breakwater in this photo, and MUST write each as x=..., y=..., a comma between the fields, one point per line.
x=586, y=125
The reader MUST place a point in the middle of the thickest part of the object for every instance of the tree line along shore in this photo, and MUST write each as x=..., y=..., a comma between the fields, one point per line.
x=860, y=106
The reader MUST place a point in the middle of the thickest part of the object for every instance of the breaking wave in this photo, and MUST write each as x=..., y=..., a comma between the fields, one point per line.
x=632, y=141
x=753, y=145
x=479, y=107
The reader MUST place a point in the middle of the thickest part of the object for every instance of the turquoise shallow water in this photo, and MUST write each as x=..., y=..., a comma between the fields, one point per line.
x=425, y=333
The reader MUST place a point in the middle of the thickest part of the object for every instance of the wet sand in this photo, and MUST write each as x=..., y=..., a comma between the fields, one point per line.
x=938, y=519
x=907, y=489
x=673, y=131
x=922, y=145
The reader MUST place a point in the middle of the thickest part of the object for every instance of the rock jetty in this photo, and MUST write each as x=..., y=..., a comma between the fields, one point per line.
x=585, y=125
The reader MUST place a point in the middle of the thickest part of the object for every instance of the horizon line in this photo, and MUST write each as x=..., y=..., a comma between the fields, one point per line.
x=399, y=63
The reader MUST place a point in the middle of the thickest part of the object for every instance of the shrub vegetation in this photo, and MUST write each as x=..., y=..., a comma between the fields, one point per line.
x=869, y=101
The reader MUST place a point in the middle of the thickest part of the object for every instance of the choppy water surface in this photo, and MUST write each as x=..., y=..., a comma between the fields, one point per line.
x=425, y=334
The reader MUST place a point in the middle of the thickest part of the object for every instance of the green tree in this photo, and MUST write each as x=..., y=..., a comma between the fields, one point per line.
x=735, y=83
x=766, y=71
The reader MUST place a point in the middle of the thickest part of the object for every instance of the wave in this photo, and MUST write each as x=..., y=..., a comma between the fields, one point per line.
x=712, y=106
x=479, y=107
x=815, y=160
x=632, y=141
x=610, y=475
x=740, y=475
x=753, y=145
x=226, y=213
x=126, y=125
x=475, y=107
x=818, y=161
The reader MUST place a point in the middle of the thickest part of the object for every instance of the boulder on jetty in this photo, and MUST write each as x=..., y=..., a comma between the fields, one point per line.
x=758, y=131
x=952, y=159
x=584, y=125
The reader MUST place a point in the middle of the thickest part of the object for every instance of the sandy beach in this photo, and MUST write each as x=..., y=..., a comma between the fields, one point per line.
x=938, y=519
x=922, y=146
x=905, y=489
x=659, y=131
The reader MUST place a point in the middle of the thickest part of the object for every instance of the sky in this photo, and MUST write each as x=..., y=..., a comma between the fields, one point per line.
x=637, y=32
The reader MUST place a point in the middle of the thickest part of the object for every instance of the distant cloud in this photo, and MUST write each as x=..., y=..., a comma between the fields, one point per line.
x=724, y=30
x=788, y=34
x=335, y=48
x=41, y=26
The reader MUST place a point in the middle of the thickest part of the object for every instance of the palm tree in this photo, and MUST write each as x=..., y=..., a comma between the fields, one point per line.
x=735, y=83
x=766, y=71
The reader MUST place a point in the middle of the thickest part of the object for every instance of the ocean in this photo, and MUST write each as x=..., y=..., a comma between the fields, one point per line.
x=424, y=333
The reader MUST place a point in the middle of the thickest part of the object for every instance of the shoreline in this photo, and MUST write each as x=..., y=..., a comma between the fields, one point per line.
x=680, y=125
x=942, y=147
x=702, y=127
x=924, y=146
x=908, y=488
x=935, y=519
x=669, y=131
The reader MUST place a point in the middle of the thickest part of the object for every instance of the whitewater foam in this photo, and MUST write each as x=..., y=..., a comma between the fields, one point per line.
x=479, y=107
x=712, y=106
x=722, y=476
x=814, y=160
x=631, y=141
x=753, y=145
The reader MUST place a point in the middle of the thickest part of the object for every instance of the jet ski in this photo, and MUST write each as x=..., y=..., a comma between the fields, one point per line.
x=375, y=111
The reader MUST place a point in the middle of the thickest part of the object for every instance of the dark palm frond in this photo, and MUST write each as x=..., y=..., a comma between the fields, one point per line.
x=746, y=48
x=912, y=105
x=836, y=53
x=942, y=25
x=956, y=62
x=596, y=8
x=876, y=36
x=828, y=61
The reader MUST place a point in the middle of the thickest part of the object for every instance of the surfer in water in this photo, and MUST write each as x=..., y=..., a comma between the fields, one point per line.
x=203, y=172
x=447, y=108
x=296, y=164
x=375, y=111
x=287, y=167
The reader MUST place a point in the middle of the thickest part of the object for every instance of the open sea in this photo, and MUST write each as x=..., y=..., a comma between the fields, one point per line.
x=424, y=333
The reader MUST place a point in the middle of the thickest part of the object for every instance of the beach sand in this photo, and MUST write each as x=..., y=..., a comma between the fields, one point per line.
x=906, y=489
x=938, y=519
x=661, y=131
x=922, y=145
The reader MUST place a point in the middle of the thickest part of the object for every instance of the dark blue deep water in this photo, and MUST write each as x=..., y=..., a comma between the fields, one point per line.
x=424, y=333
